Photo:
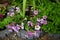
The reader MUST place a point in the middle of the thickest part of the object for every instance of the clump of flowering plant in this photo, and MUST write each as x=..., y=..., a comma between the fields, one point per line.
x=33, y=29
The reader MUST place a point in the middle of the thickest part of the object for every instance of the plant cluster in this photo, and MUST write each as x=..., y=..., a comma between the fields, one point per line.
x=18, y=13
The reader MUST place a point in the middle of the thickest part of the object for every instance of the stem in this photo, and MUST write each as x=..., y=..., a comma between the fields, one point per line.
x=24, y=6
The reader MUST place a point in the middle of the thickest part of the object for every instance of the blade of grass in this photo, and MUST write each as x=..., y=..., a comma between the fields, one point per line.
x=34, y=4
x=24, y=6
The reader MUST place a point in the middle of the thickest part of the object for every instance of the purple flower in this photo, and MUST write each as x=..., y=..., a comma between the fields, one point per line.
x=17, y=27
x=38, y=19
x=38, y=23
x=12, y=10
x=29, y=33
x=36, y=34
x=8, y=26
x=37, y=31
x=41, y=21
x=12, y=14
x=30, y=23
x=44, y=17
x=13, y=24
x=13, y=28
x=45, y=22
x=35, y=12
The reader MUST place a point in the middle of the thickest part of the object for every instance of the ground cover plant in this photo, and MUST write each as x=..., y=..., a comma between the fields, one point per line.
x=28, y=13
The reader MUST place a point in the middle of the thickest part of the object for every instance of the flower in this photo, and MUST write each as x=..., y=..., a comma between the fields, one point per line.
x=36, y=34
x=44, y=17
x=13, y=24
x=38, y=23
x=17, y=9
x=45, y=22
x=42, y=21
x=38, y=31
x=15, y=29
x=30, y=23
x=12, y=10
x=38, y=19
x=35, y=12
x=29, y=33
x=8, y=26
x=12, y=14
x=22, y=25
x=37, y=27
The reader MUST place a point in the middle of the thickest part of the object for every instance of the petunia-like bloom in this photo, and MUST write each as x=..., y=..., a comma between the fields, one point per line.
x=29, y=33
x=8, y=26
x=30, y=23
x=37, y=27
x=13, y=24
x=38, y=23
x=44, y=17
x=13, y=28
x=12, y=14
x=22, y=24
x=42, y=21
x=36, y=34
x=45, y=22
x=17, y=9
x=38, y=31
x=35, y=12
x=12, y=10
x=17, y=27
x=38, y=19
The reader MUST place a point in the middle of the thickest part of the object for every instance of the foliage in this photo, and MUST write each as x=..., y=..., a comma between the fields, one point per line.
x=5, y=22
x=45, y=7
x=3, y=10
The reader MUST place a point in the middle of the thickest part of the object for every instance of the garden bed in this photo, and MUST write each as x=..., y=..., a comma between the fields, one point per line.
x=34, y=20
